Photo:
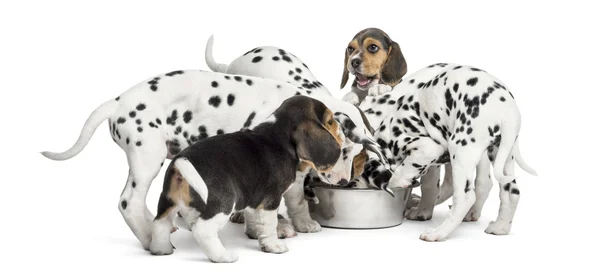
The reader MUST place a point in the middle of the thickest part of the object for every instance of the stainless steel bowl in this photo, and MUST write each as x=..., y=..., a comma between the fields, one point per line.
x=358, y=208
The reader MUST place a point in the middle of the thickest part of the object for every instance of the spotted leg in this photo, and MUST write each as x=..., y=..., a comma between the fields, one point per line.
x=429, y=193
x=509, y=199
x=297, y=207
x=483, y=185
x=145, y=160
x=464, y=159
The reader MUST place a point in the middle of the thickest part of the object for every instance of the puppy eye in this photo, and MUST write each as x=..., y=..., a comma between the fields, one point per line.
x=330, y=122
x=373, y=48
x=350, y=49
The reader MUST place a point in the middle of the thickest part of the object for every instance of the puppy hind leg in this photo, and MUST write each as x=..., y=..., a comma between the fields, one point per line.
x=144, y=163
x=483, y=186
x=298, y=207
x=429, y=193
x=161, y=227
x=509, y=199
x=206, y=233
x=463, y=166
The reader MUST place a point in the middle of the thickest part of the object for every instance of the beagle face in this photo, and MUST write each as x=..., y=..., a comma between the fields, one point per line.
x=373, y=58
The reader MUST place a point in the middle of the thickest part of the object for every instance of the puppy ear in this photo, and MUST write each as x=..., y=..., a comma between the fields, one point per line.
x=316, y=146
x=395, y=65
x=358, y=163
x=345, y=74
x=358, y=135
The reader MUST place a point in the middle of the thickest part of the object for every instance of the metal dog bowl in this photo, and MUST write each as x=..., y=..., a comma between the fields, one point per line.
x=358, y=208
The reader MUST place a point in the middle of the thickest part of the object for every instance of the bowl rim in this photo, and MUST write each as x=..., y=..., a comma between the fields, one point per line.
x=333, y=187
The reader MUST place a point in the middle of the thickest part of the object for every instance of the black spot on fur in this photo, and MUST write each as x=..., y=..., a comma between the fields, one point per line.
x=132, y=114
x=214, y=84
x=158, y=121
x=138, y=143
x=171, y=119
x=238, y=78
x=120, y=120
x=249, y=120
x=127, y=141
x=140, y=129
x=140, y=107
x=515, y=191
x=220, y=131
x=275, y=58
x=117, y=99
x=187, y=116
x=124, y=204
x=227, y=77
x=174, y=73
x=133, y=184
x=249, y=82
x=502, y=99
x=256, y=59
x=472, y=81
x=230, y=99
x=214, y=101
x=286, y=58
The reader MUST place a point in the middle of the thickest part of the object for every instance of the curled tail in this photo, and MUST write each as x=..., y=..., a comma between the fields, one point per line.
x=94, y=120
x=190, y=174
x=210, y=61
x=507, y=142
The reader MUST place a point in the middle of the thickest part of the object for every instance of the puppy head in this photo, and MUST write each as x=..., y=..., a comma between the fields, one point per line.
x=315, y=135
x=373, y=58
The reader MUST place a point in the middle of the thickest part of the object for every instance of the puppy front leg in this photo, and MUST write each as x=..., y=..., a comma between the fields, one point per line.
x=429, y=192
x=264, y=222
x=298, y=207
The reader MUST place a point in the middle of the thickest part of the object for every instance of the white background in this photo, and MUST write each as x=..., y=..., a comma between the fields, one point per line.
x=59, y=60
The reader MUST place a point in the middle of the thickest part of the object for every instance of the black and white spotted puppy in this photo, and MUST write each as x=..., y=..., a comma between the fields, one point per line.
x=245, y=171
x=456, y=114
x=278, y=64
x=157, y=118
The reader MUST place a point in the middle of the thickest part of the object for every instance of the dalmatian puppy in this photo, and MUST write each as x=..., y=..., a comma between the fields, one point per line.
x=245, y=171
x=278, y=64
x=157, y=118
x=456, y=114
x=377, y=63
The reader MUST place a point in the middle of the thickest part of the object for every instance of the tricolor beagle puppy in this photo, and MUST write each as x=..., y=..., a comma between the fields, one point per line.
x=377, y=63
x=246, y=171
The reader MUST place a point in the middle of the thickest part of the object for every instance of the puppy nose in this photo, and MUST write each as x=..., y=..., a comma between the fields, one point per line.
x=355, y=62
x=343, y=182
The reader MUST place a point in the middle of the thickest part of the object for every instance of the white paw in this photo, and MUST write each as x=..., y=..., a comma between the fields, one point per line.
x=379, y=89
x=413, y=201
x=420, y=214
x=226, y=257
x=276, y=247
x=161, y=248
x=432, y=235
x=351, y=98
x=498, y=228
x=146, y=241
x=306, y=225
x=285, y=229
x=472, y=216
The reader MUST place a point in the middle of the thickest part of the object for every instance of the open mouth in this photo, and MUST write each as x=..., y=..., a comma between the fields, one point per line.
x=362, y=80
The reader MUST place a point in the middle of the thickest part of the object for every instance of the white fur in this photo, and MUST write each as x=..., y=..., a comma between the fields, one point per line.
x=190, y=174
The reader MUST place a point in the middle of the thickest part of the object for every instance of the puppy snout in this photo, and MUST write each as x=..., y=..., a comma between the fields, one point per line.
x=355, y=62
x=343, y=182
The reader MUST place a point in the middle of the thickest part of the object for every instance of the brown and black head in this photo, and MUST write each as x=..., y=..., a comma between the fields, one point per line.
x=373, y=58
x=315, y=134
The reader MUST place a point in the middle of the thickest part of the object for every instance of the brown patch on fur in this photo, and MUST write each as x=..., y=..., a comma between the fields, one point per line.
x=309, y=164
x=332, y=126
x=179, y=191
x=358, y=163
x=373, y=62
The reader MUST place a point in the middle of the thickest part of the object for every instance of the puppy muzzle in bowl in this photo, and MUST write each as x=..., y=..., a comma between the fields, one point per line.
x=358, y=208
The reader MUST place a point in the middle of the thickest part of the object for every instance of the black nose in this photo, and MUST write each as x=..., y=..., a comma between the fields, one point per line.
x=355, y=62
x=343, y=182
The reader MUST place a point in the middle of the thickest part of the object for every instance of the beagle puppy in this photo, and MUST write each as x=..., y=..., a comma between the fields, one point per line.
x=377, y=63
x=247, y=171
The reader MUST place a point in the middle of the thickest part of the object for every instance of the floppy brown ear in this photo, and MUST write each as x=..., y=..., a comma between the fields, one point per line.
x=315, y=146
x=395, y=65
x=345, y=73
x=358, y=163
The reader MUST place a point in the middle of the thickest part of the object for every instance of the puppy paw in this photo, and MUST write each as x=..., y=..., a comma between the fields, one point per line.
x=276, y=247
x=161, y=248
x=472, y=216
x=285, y=229
x=237, y=217
x=432, y=235
x=306, y=225
x=419, y=214
x=379, y=89
x=413, y=201
x=225, y=257
x=498, y=228
x=351, y=98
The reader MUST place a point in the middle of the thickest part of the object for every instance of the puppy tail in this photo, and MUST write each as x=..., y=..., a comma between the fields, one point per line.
x=520, y=161
x=210, y=60
x=190, y=174
x=507, y=142
x=101, y=113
